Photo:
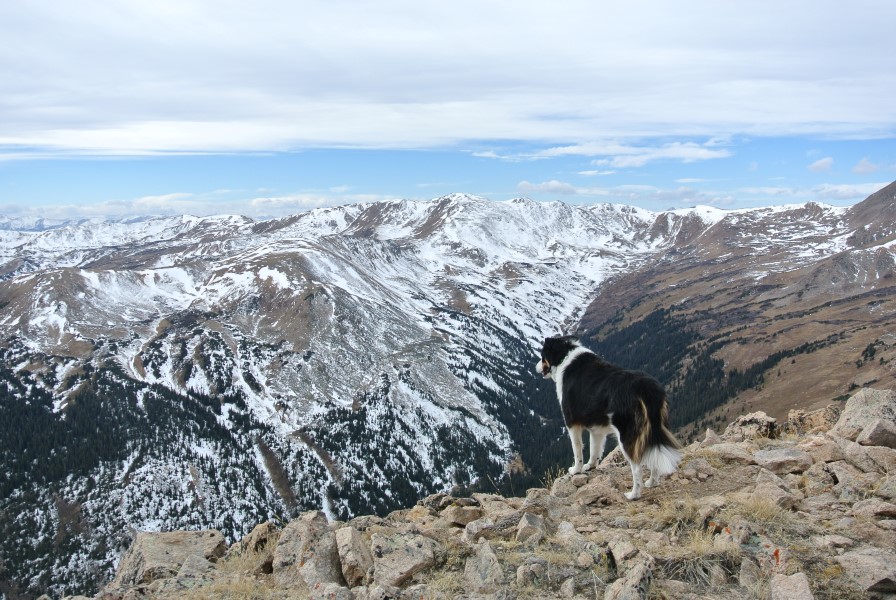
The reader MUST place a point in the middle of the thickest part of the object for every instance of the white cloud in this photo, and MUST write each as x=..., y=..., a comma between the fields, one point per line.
x=842, y=192
x=821, y=165
x=546, y=187
x=146, y=78
x=865, y=166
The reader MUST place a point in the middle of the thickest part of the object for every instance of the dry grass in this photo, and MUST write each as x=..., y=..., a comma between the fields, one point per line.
x=701, y=561
x=677, y=515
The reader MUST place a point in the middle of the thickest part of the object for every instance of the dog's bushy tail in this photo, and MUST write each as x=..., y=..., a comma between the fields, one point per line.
x=660, y=448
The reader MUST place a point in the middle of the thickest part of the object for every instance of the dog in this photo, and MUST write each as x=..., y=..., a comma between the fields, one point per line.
x=605, y=399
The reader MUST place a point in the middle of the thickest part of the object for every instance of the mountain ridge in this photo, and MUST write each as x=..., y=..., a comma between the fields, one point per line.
x=306, y=362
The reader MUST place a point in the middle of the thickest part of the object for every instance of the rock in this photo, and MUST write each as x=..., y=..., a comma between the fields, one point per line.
x=530, y=529
x=751, y=426
x=622, y=549
x=791, y=587
x=878, y=433
x=598, y=491
x=195, y=567
x=887, y=489
x=873, y=569
x=397, y=558
x=783, y=460
x=822, y=449
x=482, y=571
x=711, y=438
x=884, y=458
x=569, y=536
x=331, y=591
x=851, y=482
x=155, y=556
x=750, y=575
x=354, y=555
x=833, y=541
x=568, y=588
x=306, y=553
x=874, y=508
x=261, y=542
x=484, y=527
x=563, y=487
x=770, y=487
x=461, y=515
x=865, y=407
x=856, y=455
x=800, y=421
x=739, y=453
x=635, y=585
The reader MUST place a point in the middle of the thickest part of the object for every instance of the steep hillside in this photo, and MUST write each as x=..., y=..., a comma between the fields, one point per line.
x=769, y=309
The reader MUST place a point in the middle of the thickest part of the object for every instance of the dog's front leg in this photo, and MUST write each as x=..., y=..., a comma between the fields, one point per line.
x=575, y=436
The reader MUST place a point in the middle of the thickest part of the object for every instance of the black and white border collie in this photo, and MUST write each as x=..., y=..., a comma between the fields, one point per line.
x=605, y=399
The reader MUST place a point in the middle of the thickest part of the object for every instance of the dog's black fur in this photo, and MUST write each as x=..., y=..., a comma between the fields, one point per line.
x=604, y=399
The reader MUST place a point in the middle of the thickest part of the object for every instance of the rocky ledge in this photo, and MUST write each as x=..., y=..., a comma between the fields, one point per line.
x=795, y=510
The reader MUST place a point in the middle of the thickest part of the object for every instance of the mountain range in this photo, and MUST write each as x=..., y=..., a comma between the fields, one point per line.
x=187, y=372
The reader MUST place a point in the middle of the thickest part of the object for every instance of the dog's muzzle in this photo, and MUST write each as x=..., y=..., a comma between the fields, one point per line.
x=543, y=369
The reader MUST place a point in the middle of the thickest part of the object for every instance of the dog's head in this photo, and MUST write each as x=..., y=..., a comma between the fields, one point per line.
x=553, y=351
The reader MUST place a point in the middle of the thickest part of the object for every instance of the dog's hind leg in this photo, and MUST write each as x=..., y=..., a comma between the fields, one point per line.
x=637, y=477
x=596, y=446
x=575, y=436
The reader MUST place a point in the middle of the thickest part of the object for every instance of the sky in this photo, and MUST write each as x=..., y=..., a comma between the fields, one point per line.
x=273, y=107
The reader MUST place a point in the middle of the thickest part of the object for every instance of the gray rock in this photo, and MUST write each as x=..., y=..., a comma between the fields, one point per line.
x=635, y=585
x=751, y=426
x=783, y=460
x=568, y=588
x=354, y=555
x=733, y=452
x=791, y=587
x=331, y=591
x=306, y=553
x=480, y=528
x=397, y=558
x=461, y=515
x=874, y=508
x=482, y=571
x=155, y=556
x=865, y=407
x=878, y=433
x=873, y=569
x=530, y=529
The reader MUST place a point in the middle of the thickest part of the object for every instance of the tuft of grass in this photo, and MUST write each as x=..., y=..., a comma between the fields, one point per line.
x=699, y=559
x=678, y=515
x=552, y=475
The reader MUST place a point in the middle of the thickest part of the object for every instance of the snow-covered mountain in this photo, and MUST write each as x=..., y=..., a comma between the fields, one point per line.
x=186, y=372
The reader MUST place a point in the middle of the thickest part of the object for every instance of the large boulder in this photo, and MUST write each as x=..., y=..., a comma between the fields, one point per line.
x=874, y=410
x=871, y=568
x=155, y=556
x=306, y=553
x=397, y=558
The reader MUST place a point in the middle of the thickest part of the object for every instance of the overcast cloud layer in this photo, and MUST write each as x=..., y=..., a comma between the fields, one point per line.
x=624, y=83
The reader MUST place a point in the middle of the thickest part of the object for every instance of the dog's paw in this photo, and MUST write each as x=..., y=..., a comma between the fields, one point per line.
x=575, y=469
x=632, y=495
x=651, y=483
x=587, y=467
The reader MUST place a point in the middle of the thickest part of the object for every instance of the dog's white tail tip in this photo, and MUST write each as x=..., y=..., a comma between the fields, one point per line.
x=662, y=460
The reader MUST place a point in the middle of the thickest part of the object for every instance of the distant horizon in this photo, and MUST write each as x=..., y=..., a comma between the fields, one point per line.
x=53, y=221
x=131, y=108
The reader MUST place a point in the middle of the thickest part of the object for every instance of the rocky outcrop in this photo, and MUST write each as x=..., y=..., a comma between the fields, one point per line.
x=797, y=510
